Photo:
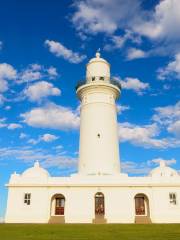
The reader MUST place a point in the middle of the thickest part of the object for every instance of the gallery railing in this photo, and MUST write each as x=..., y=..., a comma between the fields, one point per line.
x=97, y=78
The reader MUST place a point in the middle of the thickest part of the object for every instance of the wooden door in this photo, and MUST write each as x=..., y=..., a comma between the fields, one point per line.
x=59, y=207
x=140, y=205
x=99, y=204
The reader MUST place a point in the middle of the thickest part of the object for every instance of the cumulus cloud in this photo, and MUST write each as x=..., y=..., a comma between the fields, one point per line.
x=166, y=161
x=122, y=108
x=7, y=72
x=41, y=90
x=23, y=135
x=164, y=23
x=135, y=168
x=2, y=98
x=133, y=84
x=59, y=50
x=45, y=138
x=105, y=16
x=52, y=116
x=134, y=53
x=48, y=137
x=3, y=122
x=172, y=70
x=167, y=114
x=58, y=159
x=169, y=117
x=34, y=72
x=145, y=136
x=7, y=108
x=160, y=24
x=52, y=71
x=143, y=168
x=117, y=42
x=175, y=128
x=13, y=126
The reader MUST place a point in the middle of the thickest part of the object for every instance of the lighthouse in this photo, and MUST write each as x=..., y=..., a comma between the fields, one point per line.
x=98, y=145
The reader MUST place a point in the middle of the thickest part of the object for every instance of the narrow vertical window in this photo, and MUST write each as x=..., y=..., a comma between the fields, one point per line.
x=27, y=198
x=172, y=198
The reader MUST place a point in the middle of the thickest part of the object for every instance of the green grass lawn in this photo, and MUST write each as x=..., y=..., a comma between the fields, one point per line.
x=89, y=232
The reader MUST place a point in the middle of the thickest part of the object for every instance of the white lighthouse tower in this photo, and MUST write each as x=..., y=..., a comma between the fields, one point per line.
x=99, y=148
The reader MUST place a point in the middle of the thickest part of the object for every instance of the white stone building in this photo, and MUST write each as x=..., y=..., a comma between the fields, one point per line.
x=99, y=192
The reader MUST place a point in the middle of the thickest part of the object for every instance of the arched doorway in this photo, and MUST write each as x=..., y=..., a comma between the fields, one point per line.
x=142, y=211
x=57, y=209
x=99, y=208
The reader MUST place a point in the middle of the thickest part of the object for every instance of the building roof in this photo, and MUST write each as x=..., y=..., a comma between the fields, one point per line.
x=97, y=58
x=163, y=171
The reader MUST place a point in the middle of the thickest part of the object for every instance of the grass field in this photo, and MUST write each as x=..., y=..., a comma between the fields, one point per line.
x=89, y=232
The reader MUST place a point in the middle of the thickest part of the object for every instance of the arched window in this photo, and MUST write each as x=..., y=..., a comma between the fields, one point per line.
x=99, y=204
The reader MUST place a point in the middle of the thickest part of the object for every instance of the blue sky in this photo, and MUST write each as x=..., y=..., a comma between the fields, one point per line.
x=44, y=47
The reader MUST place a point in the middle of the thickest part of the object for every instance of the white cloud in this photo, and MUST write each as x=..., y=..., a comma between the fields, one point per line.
x=7, y=72
x=2, y=98
x=52, y=71
x=52, y=116
x=163, y=23
x=145, y=136
x=134, y=53
x=60, y=50
x=143, y=168
x=48, y=137
x=2, y=122
x=30, y=155
x=168, y=114
x=169, y=117
x=23, y=135
x=45, y=138
x=7, y=108
x=34, y=72
x=135, y=168
x=35, y=67
x=40, y=90
x=117, y=42
x=95, y=16
x=31, y=73
x=175, y=128
x=166, y=161
x=171, y=70
x=133, y=84
x=122, y=108
x=160, y=24
x=13, y=126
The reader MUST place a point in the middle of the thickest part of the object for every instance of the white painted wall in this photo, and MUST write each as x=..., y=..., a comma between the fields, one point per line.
x=80, y=206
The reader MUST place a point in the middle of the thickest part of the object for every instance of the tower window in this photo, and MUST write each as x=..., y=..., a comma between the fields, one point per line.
x=172, y=198
x=27, y=198
x=101, y=78
x=98, y=135
x=93, y=78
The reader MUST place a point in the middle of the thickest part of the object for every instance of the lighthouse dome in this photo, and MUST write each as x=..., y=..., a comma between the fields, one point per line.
x=163, y=171
x=97, y=69
x=36, y=172
x=97, y=58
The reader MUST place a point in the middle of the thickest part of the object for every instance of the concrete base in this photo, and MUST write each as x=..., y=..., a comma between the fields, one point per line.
x=56, y=219
x=142, y=220
x=99, y=219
